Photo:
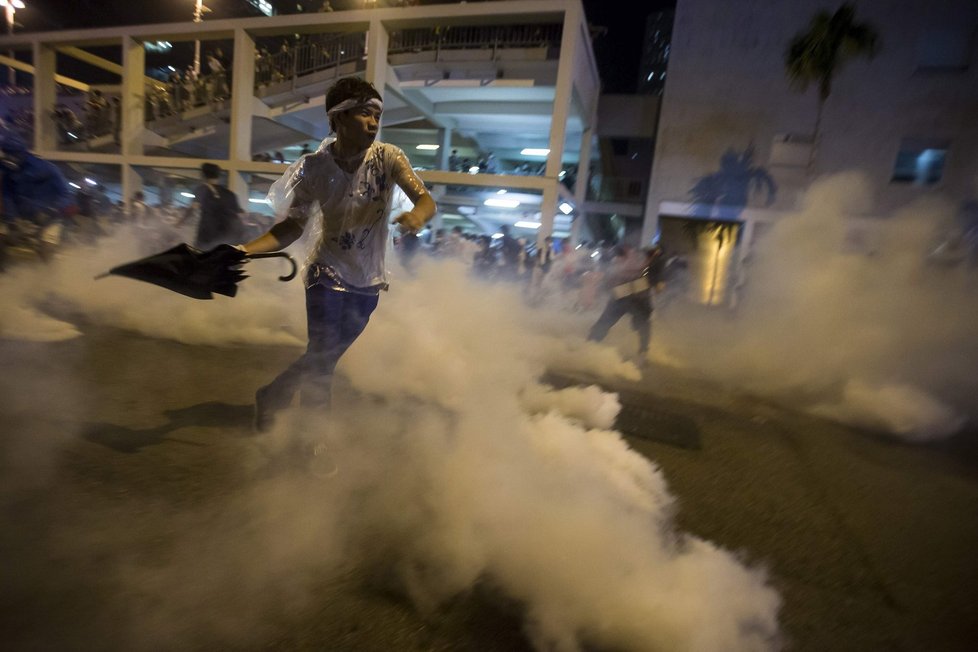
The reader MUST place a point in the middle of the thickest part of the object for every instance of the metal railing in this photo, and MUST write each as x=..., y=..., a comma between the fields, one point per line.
x=325, y=52
x=329, y=52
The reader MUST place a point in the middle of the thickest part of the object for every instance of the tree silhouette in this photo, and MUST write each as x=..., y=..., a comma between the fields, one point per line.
x=731, y=185
x=816, y=56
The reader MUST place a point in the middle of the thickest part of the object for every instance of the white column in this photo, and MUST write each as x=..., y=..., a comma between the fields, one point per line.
x=438, y=191
x=132, y=109
x=569, y=43
x=45, y=97
x=242, y=97
x=377, y=41
x=580, y=185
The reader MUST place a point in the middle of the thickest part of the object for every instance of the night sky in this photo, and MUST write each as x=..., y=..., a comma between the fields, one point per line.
x=617, y=50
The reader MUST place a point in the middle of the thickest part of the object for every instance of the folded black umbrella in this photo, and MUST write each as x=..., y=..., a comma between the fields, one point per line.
x=195, y=273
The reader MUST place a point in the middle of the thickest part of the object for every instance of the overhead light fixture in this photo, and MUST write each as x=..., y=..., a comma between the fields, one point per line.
x=91, y=182
x=188, y=194
x=501, y=203
x=428, y=147
x=466, y=210
x=258, y=200
x=533, y=151
x=522, y=224
x=566, y=208
x=74, y=185
x=474, y=169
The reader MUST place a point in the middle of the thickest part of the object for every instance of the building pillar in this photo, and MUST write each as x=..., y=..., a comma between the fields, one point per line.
x=438, y=191
x=377, y=42
x=580, y=184
x=242, y=98
x=569, y=44
x=445, y=147
x=45, y=97
x=132, y=112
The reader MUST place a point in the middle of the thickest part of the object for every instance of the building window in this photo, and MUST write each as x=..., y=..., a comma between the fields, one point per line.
x=920, y=162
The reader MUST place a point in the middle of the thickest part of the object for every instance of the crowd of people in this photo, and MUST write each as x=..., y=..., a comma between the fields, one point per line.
x=576, y=278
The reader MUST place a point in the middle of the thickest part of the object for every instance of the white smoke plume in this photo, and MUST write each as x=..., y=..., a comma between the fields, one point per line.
x=456, y=469
x=883, y=340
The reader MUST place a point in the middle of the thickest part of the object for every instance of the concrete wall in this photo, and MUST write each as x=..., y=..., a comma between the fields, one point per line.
x=727, y=88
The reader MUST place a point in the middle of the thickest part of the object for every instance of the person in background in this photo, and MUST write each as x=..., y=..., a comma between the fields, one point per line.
x=220, y=213
x=35, y=191
x=631, y=279
x=345, y=188
x=140, y=211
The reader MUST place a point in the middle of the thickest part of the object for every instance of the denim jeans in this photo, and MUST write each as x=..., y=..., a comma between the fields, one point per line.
x=639, y=307
x=335, y=319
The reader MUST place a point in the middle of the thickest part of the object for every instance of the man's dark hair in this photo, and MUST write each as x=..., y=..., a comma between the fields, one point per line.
x=350, y=88
x=210, y=171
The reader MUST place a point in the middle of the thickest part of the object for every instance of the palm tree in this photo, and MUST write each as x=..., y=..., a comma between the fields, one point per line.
x=815, y=56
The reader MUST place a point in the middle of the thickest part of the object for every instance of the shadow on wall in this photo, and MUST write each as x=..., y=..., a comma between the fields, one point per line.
x=728, y=190
x=715, y=228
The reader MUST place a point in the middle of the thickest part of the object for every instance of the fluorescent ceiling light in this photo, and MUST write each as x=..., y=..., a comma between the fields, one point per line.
x=466, y=210
x=428, y=147
x=188, y=194
x=74, y=185
x=527, y=225
x=496, y=235
x=501, y=203
x=90, y=182
x=566, y=208
x=258, y=200
x=531, y=151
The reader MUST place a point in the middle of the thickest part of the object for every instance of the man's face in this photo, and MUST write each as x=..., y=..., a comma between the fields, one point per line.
x=359, y=125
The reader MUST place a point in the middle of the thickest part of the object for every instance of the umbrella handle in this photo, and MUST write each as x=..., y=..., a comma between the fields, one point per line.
x=279, y=254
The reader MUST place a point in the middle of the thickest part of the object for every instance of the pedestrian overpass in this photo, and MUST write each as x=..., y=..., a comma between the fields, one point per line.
x=515, y=78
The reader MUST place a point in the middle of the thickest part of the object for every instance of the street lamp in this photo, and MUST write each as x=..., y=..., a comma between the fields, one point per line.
x=9, y=8
x=199, y=11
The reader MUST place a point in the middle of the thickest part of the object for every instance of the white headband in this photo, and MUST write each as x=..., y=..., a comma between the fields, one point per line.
x=352, y=103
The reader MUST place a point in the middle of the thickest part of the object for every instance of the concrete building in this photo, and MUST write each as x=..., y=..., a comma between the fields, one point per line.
x=906, y=118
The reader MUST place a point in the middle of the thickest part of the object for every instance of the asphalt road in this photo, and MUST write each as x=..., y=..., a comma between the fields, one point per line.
x=119, y=454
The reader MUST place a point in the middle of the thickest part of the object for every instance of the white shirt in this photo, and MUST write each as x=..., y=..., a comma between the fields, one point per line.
x=351, y=210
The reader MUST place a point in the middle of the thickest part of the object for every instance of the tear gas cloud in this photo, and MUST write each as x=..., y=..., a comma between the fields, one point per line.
x=265, y=314
x=457, y=469
x=885, y=341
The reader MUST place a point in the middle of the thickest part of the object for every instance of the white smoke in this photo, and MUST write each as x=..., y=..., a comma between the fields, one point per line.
x=456, y=469
x=823, y=326
x=262, y=313
x=495, y=477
